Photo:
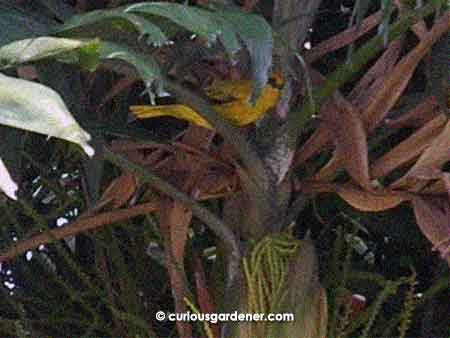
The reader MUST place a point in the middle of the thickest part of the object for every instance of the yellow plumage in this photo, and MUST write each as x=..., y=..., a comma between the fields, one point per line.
x=237, y=110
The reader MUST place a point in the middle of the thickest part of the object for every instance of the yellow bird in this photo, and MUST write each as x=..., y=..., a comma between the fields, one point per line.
x=234, y=106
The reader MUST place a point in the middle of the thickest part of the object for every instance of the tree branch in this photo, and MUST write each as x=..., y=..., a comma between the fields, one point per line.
x=77, y=227
x=211, y=220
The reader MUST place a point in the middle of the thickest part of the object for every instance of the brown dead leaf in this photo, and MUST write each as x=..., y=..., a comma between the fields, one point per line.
x=125, y=188
x=351, y=147
x=374, y=77
x=373, y=201
x=175, y=218
x=382, y=101
x=351, y=143
x=216, y=183
x=132, y=149
x=343, y=39
x=429, y=165
x=315, y=143
x=118, y=192
x=322, y=135
x=121, y=85
x=369, y=201
x=416, y=117
x=157, y=159
x=204, y=298
x=436, y=188
x=344, y=123
x=385, y=98
x=174, y=224
x=433, y=219
x=406, y=151
x=198, y=139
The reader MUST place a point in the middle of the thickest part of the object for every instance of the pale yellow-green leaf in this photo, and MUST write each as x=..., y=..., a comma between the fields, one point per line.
x=29, y=50
x=35, y=107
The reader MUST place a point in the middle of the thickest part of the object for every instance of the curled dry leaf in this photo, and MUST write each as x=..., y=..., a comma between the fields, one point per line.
x=126, y=185
x=315, y=143
x=363, y=91
x=417, y=116
x=436, y=188
x=118, y=192
x=433, y=219
x=385, y=98
x=373, y=201
x=174, y=223
x=216, y=183
x=351, y=143
x=369, y=201
x=393, y=86
x=409, y=149
x=429, y=165
x=374, y=77
x=176, y=219
x=344, y=123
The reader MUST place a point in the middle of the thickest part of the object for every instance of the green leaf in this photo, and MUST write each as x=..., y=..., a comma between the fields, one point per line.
x=29, y=50
x=146, y=66
x=257, y=36
x=35, y=107
x=151, y=19
x=383, y=29
x=116, y=19
x=211, y=25
x=225, y=25
x=199, y=21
